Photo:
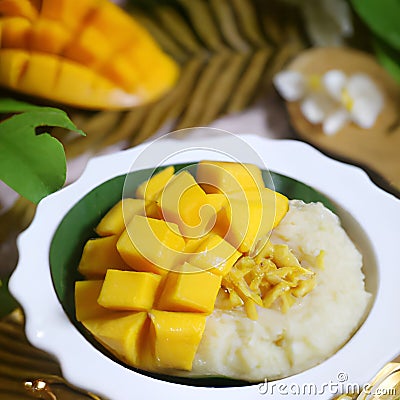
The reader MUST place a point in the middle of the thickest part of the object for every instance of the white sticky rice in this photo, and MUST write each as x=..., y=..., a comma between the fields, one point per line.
x=278, y=345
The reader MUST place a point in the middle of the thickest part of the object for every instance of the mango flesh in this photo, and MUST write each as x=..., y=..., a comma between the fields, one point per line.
x=149, y=190
x=86, y=294
x=128, y=290
x=250, y=216
x=118, y=217
x=189, y=210
x=181, y=291
x=150, y=245
x=175, y=338
x=98, y=256
x=227, y=177
x=213, y=254
x=104, y=59
x=121, y=332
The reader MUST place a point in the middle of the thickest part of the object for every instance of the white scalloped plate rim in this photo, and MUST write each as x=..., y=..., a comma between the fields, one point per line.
x=374, y=344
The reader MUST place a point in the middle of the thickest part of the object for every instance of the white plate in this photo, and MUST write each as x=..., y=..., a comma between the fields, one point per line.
x=377, y=213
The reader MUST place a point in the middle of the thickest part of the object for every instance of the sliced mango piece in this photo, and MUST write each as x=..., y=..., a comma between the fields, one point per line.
x=250, y=216
x=69, y=13
x=121, y=332
x=228, y=177
x=129, y=290
x=150, y=245
x=15, y=32
x=12, y=66
x=184, y=203
x=47, y=36
x=118, y=217
x=82, y=50
x=86, y=305
x=189, y=291
x=21, y=8
x=214, y=254
x=217, y=200
x=175, y=338
x=98, y=256
x=150, y=189
x=39, y=65
x=120, y=29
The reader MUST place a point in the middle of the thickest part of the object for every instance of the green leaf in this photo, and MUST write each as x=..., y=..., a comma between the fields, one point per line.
x=388, y=57
x=33, y=165
x=7, y=302
x=382, y=17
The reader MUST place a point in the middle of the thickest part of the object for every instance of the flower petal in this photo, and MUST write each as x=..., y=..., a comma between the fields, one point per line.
x=291, y=85
x=361, y=85
x=335, y=121
x=365, y=111
x=334, y=82
x=316, y=107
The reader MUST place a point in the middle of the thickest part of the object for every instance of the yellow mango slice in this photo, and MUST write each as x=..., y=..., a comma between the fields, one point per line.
x=39, y=65
x=129, y=290
x=153, y=210
x=228, y=177
x=69, y=13
x=150, y=245
x=15, y=32
x=115, y=24
x=21, y=8
x=250, y=216
x=12, y=65
x=118, y=217
x=98, y=256
x=217, y=200
x=47, y=36
x=184, y=203
x=189, y=291
x=175, y=338
x=86, y=305
x=214, y=254
x=121, y=332
x=82, y=50
x=150, y=189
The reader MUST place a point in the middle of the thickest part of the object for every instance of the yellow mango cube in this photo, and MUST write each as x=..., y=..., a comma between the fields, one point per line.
x=13, y=63
x=118, y=217
x=99, y=255
x=250, y=216
x=150, y=189
x=129, y=290
x=68, y=13
x=15, y=32
x=184, y=203
x=175, y=338
x=120, y=332
x=39, y=65
x=189, y=291
x=151, y=245
x=82, y=50
x=86, y=305
x=217, y=200
x=228, y=177
x=22, y=8
x=48, y=36
x=214, y=254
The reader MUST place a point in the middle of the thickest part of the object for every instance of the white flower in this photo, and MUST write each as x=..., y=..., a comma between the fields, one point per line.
x=332, y=99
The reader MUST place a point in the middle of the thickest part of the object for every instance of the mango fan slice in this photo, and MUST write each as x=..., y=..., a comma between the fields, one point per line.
x=87, y=54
